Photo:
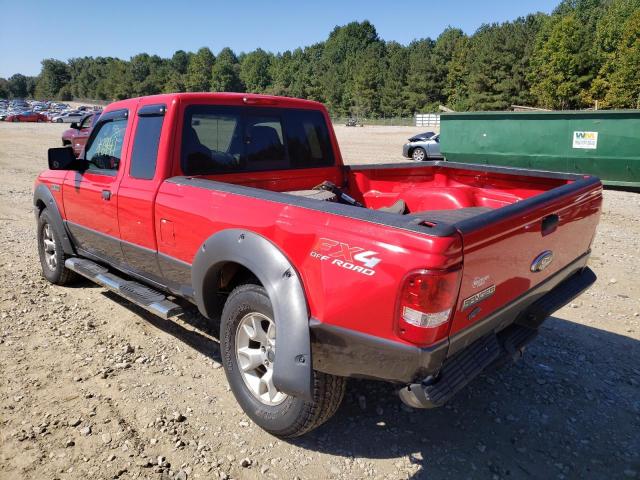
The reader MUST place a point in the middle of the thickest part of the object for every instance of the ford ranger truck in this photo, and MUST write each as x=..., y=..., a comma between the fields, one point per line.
x=420, y=274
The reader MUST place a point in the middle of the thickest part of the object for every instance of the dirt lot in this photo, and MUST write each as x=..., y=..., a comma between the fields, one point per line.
x=92, y=387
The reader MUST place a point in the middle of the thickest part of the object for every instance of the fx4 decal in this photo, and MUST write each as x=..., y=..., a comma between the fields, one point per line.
x=343, y=255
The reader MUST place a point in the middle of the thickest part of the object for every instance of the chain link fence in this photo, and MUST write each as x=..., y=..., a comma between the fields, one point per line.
x=419, y=120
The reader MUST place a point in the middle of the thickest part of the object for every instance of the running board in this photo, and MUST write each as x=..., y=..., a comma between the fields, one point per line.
x=137, y=293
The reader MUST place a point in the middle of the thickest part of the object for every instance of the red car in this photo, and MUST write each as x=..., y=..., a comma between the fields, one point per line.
x=77, y=135
x=27, y=117
x=421, y=274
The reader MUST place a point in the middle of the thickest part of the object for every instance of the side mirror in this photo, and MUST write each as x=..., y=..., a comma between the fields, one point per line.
x=75, y=126
x=62, y=158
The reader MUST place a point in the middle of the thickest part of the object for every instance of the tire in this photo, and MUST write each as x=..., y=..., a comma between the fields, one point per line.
x=419, y=154
x=59, y=120
x=286, y=416
x=51, y=253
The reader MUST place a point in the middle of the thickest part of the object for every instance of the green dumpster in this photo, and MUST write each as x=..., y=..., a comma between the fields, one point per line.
x=604, y=143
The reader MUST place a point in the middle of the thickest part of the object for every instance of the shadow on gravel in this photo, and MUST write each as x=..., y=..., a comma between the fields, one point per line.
x=204, y=337
x=569, y=409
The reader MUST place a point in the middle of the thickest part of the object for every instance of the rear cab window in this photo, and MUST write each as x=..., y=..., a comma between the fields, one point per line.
x=221, y=139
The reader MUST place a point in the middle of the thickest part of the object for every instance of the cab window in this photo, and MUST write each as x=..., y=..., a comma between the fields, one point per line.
x=220, y=139
x=104, y=148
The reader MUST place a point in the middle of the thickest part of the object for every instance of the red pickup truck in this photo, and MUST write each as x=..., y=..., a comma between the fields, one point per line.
x=418, y=274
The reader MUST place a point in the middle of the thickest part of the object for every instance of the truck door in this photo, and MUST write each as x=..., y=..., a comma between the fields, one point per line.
x=138, y=190
x=91, y=197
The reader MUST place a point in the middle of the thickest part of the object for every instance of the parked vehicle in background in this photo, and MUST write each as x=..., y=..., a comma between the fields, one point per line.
x=68, y=117
x=422, y=136
x=240, y=204
x=26, y=117
x=76, y=136
x=420, y=150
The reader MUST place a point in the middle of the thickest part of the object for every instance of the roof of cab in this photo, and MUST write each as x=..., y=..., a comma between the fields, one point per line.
x=223, y=98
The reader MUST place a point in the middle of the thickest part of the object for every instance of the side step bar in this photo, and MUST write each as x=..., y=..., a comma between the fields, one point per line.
x=137, y=293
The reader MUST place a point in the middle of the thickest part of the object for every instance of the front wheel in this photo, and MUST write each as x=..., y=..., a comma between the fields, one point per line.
x=52, y=256
x=248, y=343
x=419, y=154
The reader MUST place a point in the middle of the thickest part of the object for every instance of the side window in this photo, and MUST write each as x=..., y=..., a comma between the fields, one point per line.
x=211, y=140
x=104, y=148
x=86, y=121
x=145, y=145
x=308, y=139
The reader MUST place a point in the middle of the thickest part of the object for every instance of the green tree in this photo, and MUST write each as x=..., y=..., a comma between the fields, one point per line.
x=498, y=64
x=394, y=80
x=53, y=76
x=609, y=31
x=421, y=92
x=563, y=66
x=255, y=70
x=198, y=76
x=17, y=85
x=225, y=74
x=4, y=88
x=339, y=57
x=366, y=81
x=180, y=61
x=444, y=51
x=624, y=90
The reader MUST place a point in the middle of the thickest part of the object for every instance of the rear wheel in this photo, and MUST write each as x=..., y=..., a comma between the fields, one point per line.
x=52, y=256
x=419, y=154
x=248, y=339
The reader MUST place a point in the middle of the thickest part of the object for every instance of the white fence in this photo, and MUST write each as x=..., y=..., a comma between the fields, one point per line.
x=427, y=120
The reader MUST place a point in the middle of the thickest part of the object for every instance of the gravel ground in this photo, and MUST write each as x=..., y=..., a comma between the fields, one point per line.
x=91, y=386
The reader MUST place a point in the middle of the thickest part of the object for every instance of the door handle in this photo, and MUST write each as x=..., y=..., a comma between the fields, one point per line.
x=549, y=224
x=106, y=195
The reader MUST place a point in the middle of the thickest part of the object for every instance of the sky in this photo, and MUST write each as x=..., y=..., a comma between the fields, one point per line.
x=36, y=29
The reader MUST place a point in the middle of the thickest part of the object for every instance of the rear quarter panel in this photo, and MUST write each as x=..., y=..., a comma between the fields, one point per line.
x=335, y=295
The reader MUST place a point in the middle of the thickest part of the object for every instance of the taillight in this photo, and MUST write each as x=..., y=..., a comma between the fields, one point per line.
x=425, y=305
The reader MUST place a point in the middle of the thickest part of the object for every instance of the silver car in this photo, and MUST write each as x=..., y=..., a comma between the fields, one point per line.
x=425, y=148
x=68, y=117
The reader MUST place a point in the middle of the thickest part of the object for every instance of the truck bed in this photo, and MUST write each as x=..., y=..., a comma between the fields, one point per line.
x=488, y=220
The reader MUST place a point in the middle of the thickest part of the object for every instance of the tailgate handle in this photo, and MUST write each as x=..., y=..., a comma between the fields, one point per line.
x=550, y=224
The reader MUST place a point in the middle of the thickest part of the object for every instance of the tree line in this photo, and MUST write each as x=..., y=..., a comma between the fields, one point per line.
x=585, y=51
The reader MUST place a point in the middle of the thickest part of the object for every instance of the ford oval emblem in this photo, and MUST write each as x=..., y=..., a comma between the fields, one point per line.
x=542, y=261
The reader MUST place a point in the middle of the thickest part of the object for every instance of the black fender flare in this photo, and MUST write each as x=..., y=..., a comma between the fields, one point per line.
x=44, y=195
x=293, y=367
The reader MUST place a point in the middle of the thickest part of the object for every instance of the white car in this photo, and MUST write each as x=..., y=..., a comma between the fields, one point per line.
x=68, y=117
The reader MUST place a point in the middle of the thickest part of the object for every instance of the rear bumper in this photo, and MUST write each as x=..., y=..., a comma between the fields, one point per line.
x=344, y=352
x=496, y=347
